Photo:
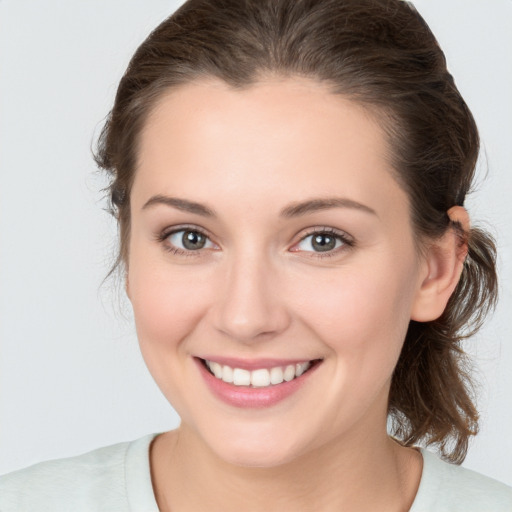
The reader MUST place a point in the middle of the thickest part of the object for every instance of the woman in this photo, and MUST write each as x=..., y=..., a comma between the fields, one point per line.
x=289, y=179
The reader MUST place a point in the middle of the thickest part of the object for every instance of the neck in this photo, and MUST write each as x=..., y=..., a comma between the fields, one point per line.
x=358, y=472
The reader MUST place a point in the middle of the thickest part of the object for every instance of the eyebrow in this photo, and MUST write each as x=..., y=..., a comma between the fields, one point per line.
x=293, y=210
x=315, y=205
x=180, y=204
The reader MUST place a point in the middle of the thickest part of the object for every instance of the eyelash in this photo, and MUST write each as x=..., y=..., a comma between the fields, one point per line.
x=346, y=240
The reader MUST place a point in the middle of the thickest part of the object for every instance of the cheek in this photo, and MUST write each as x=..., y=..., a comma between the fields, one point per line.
x=362, y=318
x=167, y=304
x=362, y=312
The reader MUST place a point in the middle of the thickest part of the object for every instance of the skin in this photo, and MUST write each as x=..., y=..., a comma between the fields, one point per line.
x=259, y=290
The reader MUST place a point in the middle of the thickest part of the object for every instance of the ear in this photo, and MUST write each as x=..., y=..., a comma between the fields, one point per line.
x=443, y=266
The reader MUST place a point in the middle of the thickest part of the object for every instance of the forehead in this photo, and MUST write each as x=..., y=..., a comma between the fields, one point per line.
x=274, y=138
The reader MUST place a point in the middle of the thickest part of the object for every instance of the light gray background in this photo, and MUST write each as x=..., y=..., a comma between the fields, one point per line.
x=71, y=377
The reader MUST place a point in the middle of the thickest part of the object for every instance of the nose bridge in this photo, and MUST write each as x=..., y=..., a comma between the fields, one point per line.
x=250, y=304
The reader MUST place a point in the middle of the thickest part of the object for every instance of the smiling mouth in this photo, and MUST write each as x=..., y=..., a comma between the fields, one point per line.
x=261, y=377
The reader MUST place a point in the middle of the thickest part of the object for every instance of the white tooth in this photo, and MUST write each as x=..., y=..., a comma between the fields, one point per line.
x=289, y=372
x=241, y=377
x=301, y=368
x=276, y=375
x=216, y=368
x=227, y=374
x=260, y=378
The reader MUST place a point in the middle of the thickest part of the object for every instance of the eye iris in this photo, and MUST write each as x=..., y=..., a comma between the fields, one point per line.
x=323, y=242
x=193, y=240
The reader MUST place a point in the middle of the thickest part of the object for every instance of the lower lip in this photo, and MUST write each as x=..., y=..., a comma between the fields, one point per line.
x=252, y=398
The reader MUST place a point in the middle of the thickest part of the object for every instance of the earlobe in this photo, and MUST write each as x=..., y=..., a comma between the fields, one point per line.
x=444, y=262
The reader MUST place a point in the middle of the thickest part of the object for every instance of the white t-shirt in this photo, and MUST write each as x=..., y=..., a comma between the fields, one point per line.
x=117, y=479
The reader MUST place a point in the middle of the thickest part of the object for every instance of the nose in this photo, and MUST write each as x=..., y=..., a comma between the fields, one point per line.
x=251, y=306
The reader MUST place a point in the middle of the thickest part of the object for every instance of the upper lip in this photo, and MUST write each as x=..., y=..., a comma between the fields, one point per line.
x=255, y=364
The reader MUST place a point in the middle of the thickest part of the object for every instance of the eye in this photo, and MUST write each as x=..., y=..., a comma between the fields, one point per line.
x=324, y=240
x=186, y=240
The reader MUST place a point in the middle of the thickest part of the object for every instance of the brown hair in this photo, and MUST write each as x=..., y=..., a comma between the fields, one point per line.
x=381, y=54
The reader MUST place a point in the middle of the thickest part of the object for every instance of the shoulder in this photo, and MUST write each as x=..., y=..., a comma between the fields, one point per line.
x=96, y=480
x=447, y=487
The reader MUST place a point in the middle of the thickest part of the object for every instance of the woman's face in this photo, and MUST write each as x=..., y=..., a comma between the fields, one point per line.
x=267, y=231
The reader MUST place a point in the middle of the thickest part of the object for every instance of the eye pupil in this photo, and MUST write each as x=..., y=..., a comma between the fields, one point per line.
x=193, y=240
x=323, y=242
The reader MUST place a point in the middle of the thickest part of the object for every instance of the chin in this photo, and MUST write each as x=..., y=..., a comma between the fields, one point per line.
x=262, y=449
